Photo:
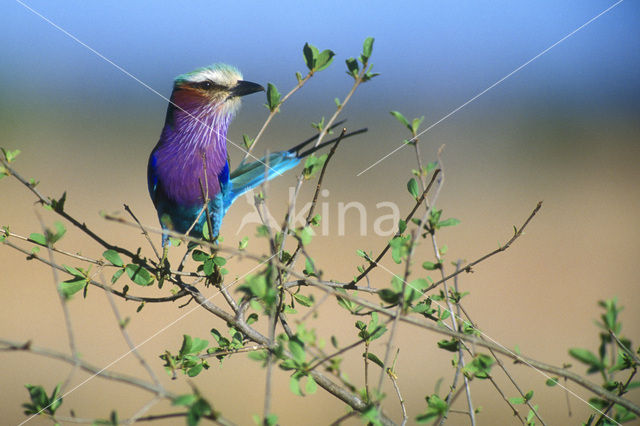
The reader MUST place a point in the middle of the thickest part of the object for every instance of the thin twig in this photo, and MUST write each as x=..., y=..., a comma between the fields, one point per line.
x=469, y=266
x=144, y=232
x=374, y=263
x=132, y=346
x=273, y=112
x=65, y=311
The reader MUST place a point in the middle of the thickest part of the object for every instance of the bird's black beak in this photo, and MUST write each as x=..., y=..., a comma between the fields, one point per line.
x=243, y=88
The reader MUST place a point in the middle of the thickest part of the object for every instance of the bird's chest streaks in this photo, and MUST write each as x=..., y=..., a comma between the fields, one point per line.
x=183, y=175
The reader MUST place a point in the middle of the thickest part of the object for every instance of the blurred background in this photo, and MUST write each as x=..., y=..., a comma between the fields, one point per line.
x=564, y=130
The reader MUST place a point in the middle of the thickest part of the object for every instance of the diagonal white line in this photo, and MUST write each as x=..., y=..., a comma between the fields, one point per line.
x=454, y=316
x=142, y=83
x=492, y=86
x=163, y=329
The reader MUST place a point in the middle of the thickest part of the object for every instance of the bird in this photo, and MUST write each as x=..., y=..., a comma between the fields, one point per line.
x=190, y=162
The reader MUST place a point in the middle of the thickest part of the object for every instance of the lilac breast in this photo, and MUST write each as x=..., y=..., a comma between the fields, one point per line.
x=187, y=148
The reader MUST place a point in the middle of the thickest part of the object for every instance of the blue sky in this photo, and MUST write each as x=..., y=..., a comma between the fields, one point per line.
x=422, y=48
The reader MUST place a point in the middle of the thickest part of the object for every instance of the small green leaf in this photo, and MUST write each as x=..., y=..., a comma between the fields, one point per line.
x=323, y=60
x=113, y=257
x=401, y=118
x=294, y=385
x=195, y=370
x=310, y=54
x=243, y=243
x=70, y=287
x=517, y=400
x=199, y=255
x=303, y=300
x=431, y=266
x=448, y=222
x=305, y=234
x=296, y=346
x=11, y=155
x=352, y=67
x=415, y=125
x=311, y=386
x=38, y=238
x=273, y=97
x=138, y=274
x=375, y=359
x=552, y=382
x=185, y=400
x=449, y=345
x=367, y=48
x=246, y=140
x=412, y=186
x=586, y=357
x=116, y=275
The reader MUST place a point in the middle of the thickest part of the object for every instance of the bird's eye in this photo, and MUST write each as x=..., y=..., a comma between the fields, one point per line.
x=206, y=85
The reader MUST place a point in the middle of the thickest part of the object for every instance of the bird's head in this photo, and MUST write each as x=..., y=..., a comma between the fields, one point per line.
x=218, y=86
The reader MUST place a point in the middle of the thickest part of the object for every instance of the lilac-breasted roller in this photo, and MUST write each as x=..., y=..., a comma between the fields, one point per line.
x=191, y=156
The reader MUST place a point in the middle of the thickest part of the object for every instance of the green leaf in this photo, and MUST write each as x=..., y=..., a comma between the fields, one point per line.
x=399, y=248
x=389, y=296
x=296, y=346
x=303, y=300
x=305, y=234
x=246, y=140
x=11, y=155
x=431, y=266
x=70, y=287
x=243, y=243
x=58, y=205
x=138, y=274
x=38, y=238
x=419, y=284
x=412, y=186
x=586, y=357
x=273, y=97
x=113, y=257
x=436, y=407
x=313, y=164
x=310, y=54
x=517, y=400
x=449, y=345
x=480, y=367
x=352, y=67
x=198, y=345
x=415, y=125
x=402, y=226
x=294, y=385
x=195, y=370
x=116, y=275
x=401, y=118
x=199, y=255
x=311, y=386
x=552, y=382
x=323, y=60
x=55, y=236
x=367, y=48
x=372, y=357
x=448, y=222
x=258, y=355
x=184, y=400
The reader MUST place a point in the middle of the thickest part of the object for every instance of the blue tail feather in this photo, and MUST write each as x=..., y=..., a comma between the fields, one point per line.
x=248, y=176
